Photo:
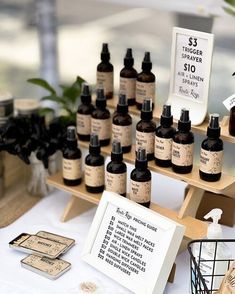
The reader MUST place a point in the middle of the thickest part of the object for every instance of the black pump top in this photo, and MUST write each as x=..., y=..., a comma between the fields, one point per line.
x=141, y=159
x=122, y=106
x=147, y=64
x=146, y=111
x=116, y=154
x=86, y=94
x=166, y=117
x=213, y=130
x=71, y=133
x=184, y=124
x=94, y=147
x=105, y=55
x=129, y=60
x=100, y=98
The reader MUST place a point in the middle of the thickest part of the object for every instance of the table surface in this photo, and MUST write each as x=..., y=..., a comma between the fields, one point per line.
x=45, y=216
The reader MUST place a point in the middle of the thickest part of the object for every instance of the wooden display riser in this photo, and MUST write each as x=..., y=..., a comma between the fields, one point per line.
x=200, y=129
x=223, y=186
x=81, y=200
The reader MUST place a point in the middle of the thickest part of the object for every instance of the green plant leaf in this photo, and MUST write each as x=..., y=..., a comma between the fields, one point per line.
x=74, y=91
x=54, y=98
x=230, y=2
x=42, y=83
x=46, y=110
x=229, y=11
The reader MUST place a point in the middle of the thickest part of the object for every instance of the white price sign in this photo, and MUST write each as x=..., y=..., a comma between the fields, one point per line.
x=132, y=244
x=190, y=72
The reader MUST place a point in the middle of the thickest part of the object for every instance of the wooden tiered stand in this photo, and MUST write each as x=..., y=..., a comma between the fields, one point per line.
x=81, y=200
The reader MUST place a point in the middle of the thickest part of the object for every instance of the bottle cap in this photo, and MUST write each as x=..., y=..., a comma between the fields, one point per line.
x=94, y=144
x=129, y=60
x=213, y=130
x=147, y=64
x=116, y=153
x=141, y=158
x=184, y=124
x=122, y=105
x=214, y=230
x=86, y=94
x=146, y=111
x=116, y=147
x=71, y=133
x=166, y=117
x=105, y=55
x=100, y=98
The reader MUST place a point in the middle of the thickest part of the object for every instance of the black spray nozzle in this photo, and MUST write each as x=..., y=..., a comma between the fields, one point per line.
x=184, y=123
x=184, y=117
x=128, y=60
x=122, y=106
x=146, y=111
x=141, y=159
x=71, y=133
x=105, y=55
x=147, y=64
x=166, y=111
x=100, y=98
x=147, y=105
x=86, y=90
x=94, y=146
x=166, y=117
x=234, y=74
x=116, y=147
x=94, y=141
x=116, y=154
x=213, y=129
x=122, y=100
x=86, y=93
x=214, y=121
x=100, y=94
x=141, y=154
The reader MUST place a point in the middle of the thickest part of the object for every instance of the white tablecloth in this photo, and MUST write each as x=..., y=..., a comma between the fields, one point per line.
x=45, y=216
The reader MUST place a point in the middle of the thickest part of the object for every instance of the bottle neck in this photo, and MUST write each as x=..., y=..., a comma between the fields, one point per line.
x=146, y=115
x=86, y=100
x=94, y=150
x=123, y=109
x=72, y=144
x=116, y=157
x=141, y=165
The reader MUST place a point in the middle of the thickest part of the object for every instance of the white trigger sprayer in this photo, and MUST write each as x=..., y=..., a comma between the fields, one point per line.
x=214, y=230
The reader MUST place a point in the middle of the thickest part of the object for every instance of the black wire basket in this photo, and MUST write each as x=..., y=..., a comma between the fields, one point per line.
x=207, y=282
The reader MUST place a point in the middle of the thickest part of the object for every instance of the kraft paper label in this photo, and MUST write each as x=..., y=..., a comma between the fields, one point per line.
x=72, y=169
x=115, y=182
x=52, y=267
x=127, y=87
x=83, y=124
x=140, y=191
x=182, y=154
x=101, y=127
x=145, y=91
x=94, y=175
x=43, y=246
x=56, y=238
x=163, y=148
x=122, y=134
x=105, y=81
x=211, y=161
x=146, y=141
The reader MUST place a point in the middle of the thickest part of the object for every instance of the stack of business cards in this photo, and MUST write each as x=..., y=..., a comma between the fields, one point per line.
x=44, y=249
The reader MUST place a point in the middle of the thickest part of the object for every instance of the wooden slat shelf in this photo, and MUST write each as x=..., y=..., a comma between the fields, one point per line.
x=200, y=129
x=195, y=229
x=225, y=183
